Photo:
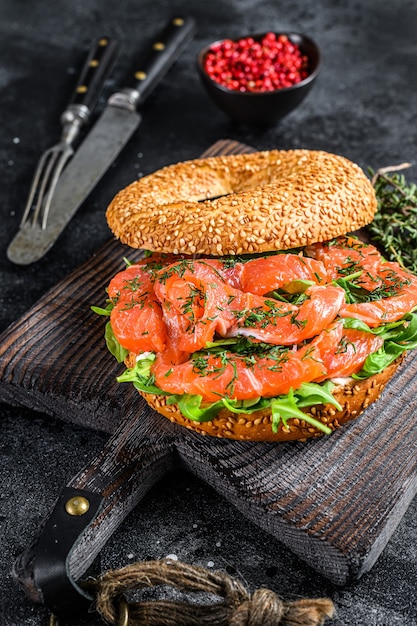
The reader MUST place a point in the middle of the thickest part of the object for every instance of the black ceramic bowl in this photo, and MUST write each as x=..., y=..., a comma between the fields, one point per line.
x=263, y=108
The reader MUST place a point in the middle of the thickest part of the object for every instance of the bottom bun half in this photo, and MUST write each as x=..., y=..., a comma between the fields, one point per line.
x=354, y=397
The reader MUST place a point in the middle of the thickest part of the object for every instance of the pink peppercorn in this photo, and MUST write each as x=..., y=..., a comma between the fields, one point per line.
x=272, y=63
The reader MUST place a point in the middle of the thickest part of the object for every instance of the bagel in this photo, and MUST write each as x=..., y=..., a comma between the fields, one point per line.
x=244, y=203
x=214, y=212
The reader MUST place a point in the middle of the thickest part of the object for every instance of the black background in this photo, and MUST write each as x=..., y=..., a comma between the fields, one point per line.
x=363, y=106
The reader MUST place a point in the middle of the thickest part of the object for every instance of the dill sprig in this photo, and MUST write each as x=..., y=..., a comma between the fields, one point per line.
x=394, y=228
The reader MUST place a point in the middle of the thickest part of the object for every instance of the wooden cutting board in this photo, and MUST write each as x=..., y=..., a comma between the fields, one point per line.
x=334, y=501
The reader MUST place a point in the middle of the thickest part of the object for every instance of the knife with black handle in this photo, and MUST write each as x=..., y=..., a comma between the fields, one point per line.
x=94, y=73
x=104, y=142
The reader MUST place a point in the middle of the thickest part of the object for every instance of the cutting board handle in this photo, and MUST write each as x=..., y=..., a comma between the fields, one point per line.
x=89, y=509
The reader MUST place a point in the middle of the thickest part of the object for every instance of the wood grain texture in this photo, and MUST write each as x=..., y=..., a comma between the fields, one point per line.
x=334, y=501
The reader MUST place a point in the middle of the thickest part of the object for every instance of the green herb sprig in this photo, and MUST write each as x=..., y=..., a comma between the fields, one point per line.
x=394, y=228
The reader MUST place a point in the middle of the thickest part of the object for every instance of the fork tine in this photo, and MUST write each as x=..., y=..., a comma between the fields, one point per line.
x=50, y=160
x=59, y=166
x=44, y=182
x=34, y=186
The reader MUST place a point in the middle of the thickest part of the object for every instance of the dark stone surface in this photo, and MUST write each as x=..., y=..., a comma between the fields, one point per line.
x=362, y=106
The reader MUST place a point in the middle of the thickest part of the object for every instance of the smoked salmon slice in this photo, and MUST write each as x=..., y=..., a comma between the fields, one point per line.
x=394, y=298
x=345, y=255
x=229, y=375
x=344, y=350
x=282, y=323
x=136, y=318
x=336, y=352
x=199, y=303
x=391, y=290
x=192, y=297
x=266, y=274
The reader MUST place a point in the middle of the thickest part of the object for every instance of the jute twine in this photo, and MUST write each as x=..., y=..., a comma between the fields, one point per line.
x=237, y=608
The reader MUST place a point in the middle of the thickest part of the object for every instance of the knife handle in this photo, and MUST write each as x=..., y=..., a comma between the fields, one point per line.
x=93, y=75
x=164, y=51
x=90, y=509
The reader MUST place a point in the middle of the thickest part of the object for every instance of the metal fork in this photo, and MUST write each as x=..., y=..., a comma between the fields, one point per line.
x=91, y=80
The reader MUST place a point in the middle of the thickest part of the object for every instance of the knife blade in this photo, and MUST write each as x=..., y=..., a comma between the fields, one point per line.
x=103, y=143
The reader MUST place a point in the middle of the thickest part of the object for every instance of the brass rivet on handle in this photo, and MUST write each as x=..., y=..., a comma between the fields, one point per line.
x=78, y=505
x=81, y=89
x=158, y=45
x=93, y=63
x=140, y=75
x=103, y=42
x=178, y=21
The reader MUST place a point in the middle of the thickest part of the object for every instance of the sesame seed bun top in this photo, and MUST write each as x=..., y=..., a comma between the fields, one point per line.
x=265, y=201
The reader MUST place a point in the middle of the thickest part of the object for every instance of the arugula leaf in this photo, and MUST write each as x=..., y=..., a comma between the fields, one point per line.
x=190, y=406
x=356, y=324
x=290, y=297
x=100, y=311
x=409, y=333
x=142, y=369
x=377, y=362
x=353, y=292
x=398, y=337
x=141, y=376
x=310, y=394
x=217, y=346
x=148, y=388
x=298, y=286
x=246, y=406
x=285, y=407
x=113, y=345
